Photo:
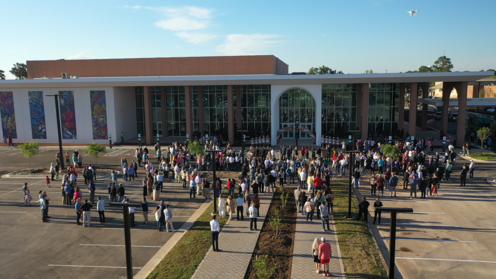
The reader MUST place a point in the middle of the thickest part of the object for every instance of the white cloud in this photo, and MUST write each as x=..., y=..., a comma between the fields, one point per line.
x=181, y=23
x=238, y=44
x=195, y=38
x=81, y=55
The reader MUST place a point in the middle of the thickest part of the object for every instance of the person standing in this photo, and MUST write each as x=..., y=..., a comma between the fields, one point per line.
x=309, y=208
x=79, y=212
x=113, y=193
x=315, y=253
x=100, y=207
x=253, y=214
x=423, y=187
x=325, y=215
x=158, y=216
x=168, y=219
x=86, y=207
x=120, y=193
x=192, y=188
x=144, y=208
x=413, y=186
x=132, y=210
x=215, y=229
x=92, y=188
x=471, y=168
x=222, y=207
x=44, y=208
x=377, y=204
x=239, y=207
x=325, y=253
x=297, y=194
x=206, y=188
x=393, y=183
x=463, y=176
x=363, y=208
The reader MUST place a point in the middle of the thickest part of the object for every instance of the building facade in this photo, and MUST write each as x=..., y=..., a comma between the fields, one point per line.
x=171, y=98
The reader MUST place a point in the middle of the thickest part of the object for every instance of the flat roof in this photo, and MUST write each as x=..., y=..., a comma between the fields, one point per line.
x=245, y=80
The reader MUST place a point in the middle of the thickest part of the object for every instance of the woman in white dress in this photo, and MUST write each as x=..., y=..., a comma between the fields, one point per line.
x=222, y=207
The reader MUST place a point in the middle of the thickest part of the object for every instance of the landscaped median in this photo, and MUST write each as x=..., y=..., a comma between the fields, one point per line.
x=184, y=258
x=361, y=256
x=485, y=155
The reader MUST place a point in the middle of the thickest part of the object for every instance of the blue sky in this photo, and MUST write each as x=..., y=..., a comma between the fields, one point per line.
x=351, y=36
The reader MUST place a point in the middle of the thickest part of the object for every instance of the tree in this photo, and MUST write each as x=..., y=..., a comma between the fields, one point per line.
x=29, y=150
x=425, y=69
x=196, y=148
x=391, y=151
x=442, y=64
x=319, y=71
x=2, y=74
x=20, y=71
x=95, y=149
x=369, y=71
x=483, y=134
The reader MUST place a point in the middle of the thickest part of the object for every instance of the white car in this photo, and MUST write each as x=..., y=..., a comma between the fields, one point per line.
x=491, y=110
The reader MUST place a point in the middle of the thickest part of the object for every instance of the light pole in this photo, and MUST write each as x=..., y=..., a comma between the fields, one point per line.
x=392, y=234
x=59, y=131
x=110, y=141
x=158, y=138
x=350, y=163
x=243, y=143
x=214, y=184
x=139, y=139
x=127, y=235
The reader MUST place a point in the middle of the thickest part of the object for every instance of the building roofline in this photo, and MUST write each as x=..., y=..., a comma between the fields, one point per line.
x=245, y=80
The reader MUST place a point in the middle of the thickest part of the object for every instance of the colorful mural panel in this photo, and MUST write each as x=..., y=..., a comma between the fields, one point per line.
x=68, y=114
x=99, y=114
x=37, y=110
x=8, y=115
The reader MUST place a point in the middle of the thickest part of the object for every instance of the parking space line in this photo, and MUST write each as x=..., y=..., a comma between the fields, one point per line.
x=11, y=212
x=416, y=212
x=94, y=266
x=433, y=239
x=421, y=225
x=110, y=245
x=446, y=260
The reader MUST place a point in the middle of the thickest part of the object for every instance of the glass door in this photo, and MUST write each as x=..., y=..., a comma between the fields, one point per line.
x=289, y=134
x=308, y=126
x=158, y=130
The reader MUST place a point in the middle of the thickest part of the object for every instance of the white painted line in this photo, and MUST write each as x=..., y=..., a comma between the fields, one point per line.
x=412, y=201
x=11, y=212
x=446, y=260
x=433, y=239
x=109, y=245
x=421, y=225
x=17, y=153
x=414, y=212
x=94, y=266
x=140, y=229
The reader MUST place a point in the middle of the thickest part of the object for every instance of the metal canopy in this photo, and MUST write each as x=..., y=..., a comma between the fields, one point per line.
x=471, y=102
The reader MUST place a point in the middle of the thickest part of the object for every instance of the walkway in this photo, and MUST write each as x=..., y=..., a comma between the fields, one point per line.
x=303, y=266
x=237, y=243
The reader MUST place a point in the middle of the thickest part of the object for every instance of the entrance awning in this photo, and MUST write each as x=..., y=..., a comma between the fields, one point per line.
x=471, y=102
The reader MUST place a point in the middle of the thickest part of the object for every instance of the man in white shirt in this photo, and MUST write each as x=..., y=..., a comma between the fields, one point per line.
x=343, y=164
x=168, y=219
x=215, y=228
x=239, y=207
x=303, y=179
x=471, y=168
x=231, y=163
x=198, y=184
x=160, y=181
x=253, y=214
x=100, y=207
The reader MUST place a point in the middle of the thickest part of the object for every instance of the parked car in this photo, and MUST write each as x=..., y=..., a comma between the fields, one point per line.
x=490, y=110
x=453, y=117
x=438, y=115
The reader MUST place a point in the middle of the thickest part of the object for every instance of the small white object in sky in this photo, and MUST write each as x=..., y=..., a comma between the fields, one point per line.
x=413, y=12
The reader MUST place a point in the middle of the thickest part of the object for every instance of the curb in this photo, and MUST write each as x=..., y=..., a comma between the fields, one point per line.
x=42, y=176
x=379, y=241
x=162, y=253
x=491, y=181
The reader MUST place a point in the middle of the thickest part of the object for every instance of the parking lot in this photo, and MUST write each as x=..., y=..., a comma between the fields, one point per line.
x=61, y=248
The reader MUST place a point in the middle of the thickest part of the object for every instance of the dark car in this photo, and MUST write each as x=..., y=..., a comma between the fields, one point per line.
x=438, y=115
x=453, y=117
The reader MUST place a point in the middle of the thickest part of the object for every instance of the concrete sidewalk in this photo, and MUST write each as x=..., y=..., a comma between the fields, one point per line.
x=237, y=243
x=303, y=265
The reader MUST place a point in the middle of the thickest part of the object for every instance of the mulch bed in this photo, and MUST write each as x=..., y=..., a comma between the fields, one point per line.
x=280, y=249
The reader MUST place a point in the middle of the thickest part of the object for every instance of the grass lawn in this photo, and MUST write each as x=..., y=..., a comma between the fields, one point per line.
x=361, y=257
x=184, y=258
x=484, y=156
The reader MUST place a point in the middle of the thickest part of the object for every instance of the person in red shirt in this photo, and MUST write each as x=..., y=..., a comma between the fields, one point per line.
x=325, y=253
x=317, y=182
x=229, y=186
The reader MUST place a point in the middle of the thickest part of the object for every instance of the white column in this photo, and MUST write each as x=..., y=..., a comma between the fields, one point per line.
x=274, y=115
x=317, y=95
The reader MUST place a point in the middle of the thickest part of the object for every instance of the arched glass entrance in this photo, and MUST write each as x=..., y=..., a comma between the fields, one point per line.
x=296, y=106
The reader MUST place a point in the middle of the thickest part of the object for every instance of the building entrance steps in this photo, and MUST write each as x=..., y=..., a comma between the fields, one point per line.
x=237, y=243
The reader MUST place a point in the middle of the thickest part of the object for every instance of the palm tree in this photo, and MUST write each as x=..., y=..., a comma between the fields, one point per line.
x=2, y=74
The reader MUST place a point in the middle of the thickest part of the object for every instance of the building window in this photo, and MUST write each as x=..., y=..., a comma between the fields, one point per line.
x=338, y=109
x=176, y=111
x=383, y=109
x=255, y=109
x=215, y=110
x=156, y=111
x=297, y=106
